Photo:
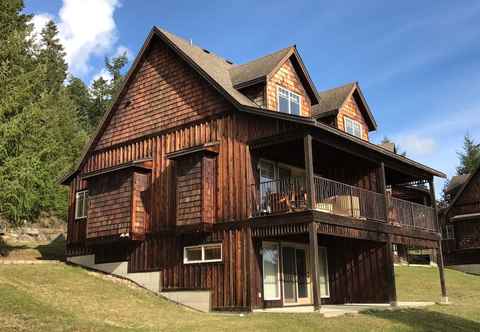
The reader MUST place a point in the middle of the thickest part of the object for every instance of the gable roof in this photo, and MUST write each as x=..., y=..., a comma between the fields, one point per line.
x=262, y=69
x=216, y=71
x=464, y=186
x=332, y=100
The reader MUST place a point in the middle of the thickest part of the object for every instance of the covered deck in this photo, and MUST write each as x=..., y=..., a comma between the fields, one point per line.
x=318, y=191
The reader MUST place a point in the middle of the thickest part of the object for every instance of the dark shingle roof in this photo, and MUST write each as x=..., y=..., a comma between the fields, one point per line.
x=213, y=65
x=258, y=68
x=456, y=182
x=331, y=100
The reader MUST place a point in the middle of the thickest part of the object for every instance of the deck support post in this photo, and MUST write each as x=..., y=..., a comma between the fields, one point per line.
x=314, y=264
x=307, y=147
x=392, y=288
x=444, y=299
x=251, y=268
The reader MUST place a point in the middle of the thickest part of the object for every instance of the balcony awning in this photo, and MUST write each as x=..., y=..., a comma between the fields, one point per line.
x=143, y=165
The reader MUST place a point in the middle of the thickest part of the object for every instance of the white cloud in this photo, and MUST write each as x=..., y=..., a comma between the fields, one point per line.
x=417, y=145
x=102, y=73
x=123, y=49
x=39, y=21
x=86, y=28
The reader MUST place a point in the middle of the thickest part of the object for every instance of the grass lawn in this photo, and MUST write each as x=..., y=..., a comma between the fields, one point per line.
x=58, y=297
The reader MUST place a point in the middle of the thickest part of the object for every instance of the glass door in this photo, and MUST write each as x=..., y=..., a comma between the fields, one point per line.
x=289, y=275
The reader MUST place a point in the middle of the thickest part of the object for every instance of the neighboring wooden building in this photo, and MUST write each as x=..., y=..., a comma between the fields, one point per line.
x=461, y=223
x=244, y=181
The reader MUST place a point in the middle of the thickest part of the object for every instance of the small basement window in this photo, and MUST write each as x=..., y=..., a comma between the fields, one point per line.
x=81, y=204
x=206, y=253
x=353, y=127
x=288, y=101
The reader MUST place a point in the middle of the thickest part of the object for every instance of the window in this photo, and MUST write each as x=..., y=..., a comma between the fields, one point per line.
x=353, y=127
x=271, y=271
x=449, y=232
x=323, y=267
x=206, y=253
x=81, y=204
x=288, y=101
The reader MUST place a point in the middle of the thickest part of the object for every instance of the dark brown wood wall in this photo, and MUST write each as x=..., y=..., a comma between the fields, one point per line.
x=357, y=271
x=228, y=279
x=188, y=183
x=110, y=204
x=76, y=229
x=469, y=201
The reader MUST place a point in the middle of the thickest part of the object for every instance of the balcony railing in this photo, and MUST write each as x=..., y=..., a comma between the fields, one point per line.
x=289, y=194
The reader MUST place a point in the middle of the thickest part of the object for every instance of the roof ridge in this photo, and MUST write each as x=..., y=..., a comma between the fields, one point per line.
x=339, y=87
x=193, y=45
x=264, y=56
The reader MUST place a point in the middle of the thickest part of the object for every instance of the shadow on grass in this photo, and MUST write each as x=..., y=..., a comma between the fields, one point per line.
x=54, y=250
x=426, y=320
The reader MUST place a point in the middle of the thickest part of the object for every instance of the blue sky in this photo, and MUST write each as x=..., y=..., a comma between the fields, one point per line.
x=417, y=61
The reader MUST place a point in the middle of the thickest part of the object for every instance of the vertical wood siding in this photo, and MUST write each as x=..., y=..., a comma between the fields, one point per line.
x=227, y=279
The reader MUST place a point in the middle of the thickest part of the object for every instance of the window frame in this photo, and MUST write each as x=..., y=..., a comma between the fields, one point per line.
x=270, y=245
x=84, y=211
x=449, y=232
x=203, y=260
x=290, y=93
x=353, y=123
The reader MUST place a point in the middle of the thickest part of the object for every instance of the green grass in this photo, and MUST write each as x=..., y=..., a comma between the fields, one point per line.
x=59, y=297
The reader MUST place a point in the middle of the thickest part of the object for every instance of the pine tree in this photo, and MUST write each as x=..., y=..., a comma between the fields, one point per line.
x=52, y=57
x=103, y=92
x=469, y=157
x=80, y=95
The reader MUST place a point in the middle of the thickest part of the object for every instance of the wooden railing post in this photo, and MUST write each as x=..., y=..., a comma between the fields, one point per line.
x=383, y=188
x=439, y=251
x=307, y=146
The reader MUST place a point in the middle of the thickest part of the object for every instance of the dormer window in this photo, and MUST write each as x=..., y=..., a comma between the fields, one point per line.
x=288, y=101
x=353, y=127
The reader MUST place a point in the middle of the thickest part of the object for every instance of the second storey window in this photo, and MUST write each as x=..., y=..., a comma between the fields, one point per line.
x=81, y=204
x=288, y=101
x=206, y=253
x=353, y=127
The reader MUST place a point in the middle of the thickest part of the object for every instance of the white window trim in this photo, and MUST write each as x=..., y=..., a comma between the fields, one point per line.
x=290, y=92
x=354, y=122
x=203, y=260
x=279, y=284
x=77, y=200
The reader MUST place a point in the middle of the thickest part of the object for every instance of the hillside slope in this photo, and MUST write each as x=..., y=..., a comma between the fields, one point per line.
x=58, y=297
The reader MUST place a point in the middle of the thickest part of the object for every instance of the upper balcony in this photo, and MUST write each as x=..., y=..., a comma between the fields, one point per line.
x=356, y=182
x=289, y=194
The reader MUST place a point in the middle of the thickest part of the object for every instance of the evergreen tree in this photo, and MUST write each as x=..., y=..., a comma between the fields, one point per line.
x=469, y=157
x=52, y=57
x=80, y=95
x=103, y=92
x=40, y=133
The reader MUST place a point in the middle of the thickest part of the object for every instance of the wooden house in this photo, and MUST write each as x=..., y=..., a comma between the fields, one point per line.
x=245, y=182
x=460, y=222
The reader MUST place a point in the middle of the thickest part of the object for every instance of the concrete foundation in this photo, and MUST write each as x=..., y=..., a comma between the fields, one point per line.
x=198, y=300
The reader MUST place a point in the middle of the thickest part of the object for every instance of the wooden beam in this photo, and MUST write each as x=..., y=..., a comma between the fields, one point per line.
x=251, y=269
x=307, y=147
x=392, y=289
x=314, y=264
x=439, y=250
